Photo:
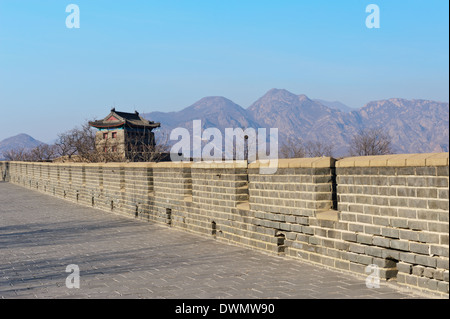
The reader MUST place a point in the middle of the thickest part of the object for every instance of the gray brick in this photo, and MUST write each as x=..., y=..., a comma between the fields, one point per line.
x=391, y=254
x=386, y=191
x=381, y=241
x=363, y=259
x=437, y=181
x=443, y=239
x=373, y=251
x=417, y=203
x=417, y=224
x=409, y=171
x=382, y=221
x=428, y=272
x=442, y=263
x=442, y=171
x=364, y=219
x=388, y=211
x=407, y=257
x=400, y=181
x=356, y=248
x=416, y=182
x=356, y=227
x=399, y=222
x=409, y=235
x=439, y=250
x=400, y=245
x=348, y=217
x=411, y=280
x=426, y=261
x=443, y=193
x=443, y=287
x=438, y=227
x=380, y=201
x=390, y=232
x=407, y=213
x=341, y=245
x=426, y=237
x=296, y=228
x=404, y=267
x=364, y=239
x=372, y=230
x=438, y=275
x=417, y=270
x=419, y=248
x=427, y=192
x=406, y=192
x=438, y=204
x=430, y=171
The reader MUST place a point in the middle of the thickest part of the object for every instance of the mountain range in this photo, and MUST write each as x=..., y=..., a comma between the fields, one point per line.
x=415, y=126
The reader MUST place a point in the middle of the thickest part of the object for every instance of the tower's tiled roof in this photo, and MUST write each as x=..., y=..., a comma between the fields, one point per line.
x=117, y=119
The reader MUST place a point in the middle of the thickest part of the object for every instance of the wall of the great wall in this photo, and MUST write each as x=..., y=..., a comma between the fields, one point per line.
x=391, y=211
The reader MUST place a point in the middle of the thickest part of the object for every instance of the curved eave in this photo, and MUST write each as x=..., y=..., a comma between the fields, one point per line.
x=104, y=125
x=150, y=126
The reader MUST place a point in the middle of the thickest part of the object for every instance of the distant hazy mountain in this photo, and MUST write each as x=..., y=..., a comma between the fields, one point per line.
x=298, y=116
x=214, y=111
x=414, y=125
x=16, y=142
x=335, y=105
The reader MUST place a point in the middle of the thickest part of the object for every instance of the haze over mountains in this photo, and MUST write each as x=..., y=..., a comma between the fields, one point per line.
x=415, y=126
x=19, y=141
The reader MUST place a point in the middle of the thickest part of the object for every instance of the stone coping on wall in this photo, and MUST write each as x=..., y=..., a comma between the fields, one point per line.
x=314, y=162
x=220, y=164
x=398, y=160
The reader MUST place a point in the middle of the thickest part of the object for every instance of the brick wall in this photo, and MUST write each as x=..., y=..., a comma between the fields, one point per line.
x=396, y=209
x=389, y=211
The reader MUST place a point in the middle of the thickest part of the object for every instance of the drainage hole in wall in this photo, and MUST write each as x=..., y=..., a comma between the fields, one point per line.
x=213, y=228
x=169, y=216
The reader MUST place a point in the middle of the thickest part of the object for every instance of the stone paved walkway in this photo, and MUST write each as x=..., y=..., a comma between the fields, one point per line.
x=119, y=257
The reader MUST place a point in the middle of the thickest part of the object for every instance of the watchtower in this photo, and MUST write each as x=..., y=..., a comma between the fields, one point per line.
x=125, y=135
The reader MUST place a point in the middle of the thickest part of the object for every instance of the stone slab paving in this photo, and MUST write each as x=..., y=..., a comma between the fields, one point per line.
x=120, y=257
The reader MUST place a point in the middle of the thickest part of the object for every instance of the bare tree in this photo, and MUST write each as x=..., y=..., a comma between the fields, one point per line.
x=18, y=154
x=318, y=149
x=83, y=140
x=80, y=144
x=292, y=148
x=40, y=153
x=297, y=148
x=65, y=145
x=83, y=144
x=373, y=141
x=43, y=152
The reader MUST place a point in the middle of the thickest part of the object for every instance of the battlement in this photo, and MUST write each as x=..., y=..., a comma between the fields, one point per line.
x=390, y=211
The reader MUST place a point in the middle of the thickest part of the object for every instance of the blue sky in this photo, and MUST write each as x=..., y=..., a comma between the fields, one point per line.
x=166, y=55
